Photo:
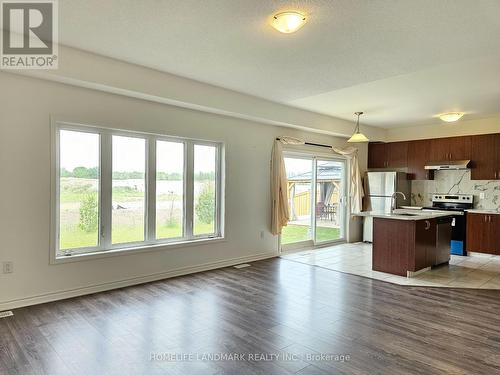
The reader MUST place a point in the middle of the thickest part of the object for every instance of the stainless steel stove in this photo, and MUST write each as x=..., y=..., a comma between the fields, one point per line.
x=457, y=203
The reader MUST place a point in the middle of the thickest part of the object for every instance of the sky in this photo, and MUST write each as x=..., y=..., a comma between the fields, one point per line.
x=295, y=167
x=80, y=149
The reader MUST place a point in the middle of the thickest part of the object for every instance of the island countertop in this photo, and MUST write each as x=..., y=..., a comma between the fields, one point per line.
x=483, y=211
x=407, y=214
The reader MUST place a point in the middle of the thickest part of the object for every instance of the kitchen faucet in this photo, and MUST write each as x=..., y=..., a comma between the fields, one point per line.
x=393, y=199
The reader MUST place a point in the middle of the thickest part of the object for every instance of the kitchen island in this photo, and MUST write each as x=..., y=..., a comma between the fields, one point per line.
x=406, y=243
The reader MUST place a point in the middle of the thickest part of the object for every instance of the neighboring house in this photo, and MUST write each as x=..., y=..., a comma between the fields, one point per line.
x=327, y=192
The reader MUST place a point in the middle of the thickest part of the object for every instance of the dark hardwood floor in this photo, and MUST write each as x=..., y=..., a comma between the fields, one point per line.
x=296, y=314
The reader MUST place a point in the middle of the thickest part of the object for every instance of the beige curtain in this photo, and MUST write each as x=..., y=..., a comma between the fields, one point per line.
x=356, y=192
x=279, y=190
x=291, y=140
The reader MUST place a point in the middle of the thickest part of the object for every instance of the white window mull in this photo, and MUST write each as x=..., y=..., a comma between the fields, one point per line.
x=279, y=192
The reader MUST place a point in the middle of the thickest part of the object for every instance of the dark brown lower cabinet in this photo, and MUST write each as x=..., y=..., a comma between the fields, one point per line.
x=483, y=233
x=403, y=245
x=425, y=244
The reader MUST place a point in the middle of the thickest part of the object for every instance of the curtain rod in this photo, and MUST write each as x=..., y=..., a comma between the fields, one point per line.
x=312, y=144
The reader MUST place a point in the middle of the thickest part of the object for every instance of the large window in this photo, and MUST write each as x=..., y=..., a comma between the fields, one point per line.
x=78, y=190
x=122, y=190
x=205, y=169
x=169, y=189
x=129, y=189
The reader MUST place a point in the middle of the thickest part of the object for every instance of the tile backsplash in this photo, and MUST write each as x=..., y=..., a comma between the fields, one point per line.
x=457, y=182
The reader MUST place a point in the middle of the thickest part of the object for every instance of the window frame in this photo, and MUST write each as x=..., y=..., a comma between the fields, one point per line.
x=105, y=245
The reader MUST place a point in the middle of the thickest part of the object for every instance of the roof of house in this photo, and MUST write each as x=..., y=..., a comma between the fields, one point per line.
x=325, y=173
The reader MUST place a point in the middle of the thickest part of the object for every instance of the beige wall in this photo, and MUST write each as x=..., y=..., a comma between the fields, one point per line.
x=442, y=129
x=101, y=73
x=28, y=104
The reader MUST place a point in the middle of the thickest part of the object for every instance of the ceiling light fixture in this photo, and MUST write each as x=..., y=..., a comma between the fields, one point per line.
x=358, y=137
x=288, y=22
x=451, y=116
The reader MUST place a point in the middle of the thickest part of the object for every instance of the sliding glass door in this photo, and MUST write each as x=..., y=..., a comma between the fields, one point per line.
x=316, y=201
x=300, y=192
x=330, y=207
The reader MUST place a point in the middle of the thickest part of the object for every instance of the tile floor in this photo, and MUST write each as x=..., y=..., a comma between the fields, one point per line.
x=474, y=271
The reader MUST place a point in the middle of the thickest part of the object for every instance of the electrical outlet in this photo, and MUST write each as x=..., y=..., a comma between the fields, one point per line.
x=481, y=196
x=8, y=267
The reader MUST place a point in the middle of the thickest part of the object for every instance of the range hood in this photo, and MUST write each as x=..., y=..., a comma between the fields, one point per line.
x=447, y=164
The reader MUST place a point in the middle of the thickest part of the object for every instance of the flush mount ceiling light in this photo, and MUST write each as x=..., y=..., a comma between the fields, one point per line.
x=451, y=116
x=358, y=137
x=288, y=22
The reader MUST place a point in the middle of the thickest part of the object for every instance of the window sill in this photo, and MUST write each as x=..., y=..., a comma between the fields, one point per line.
x=133, y=250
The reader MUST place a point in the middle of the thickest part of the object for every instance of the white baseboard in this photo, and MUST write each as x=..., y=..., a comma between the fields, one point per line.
x=70, y=293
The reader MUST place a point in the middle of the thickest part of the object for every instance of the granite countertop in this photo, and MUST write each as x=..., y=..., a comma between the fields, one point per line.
x=483, y=211
x=399, y=214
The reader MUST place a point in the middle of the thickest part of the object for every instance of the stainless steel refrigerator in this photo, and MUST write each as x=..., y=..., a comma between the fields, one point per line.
x=379, y=187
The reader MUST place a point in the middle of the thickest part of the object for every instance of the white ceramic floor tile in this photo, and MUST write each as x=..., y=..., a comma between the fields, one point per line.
x=491, y=266
x=492, y=283
x=475, y=271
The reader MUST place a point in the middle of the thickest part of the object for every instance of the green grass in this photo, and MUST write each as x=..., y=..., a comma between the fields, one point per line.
x=72, y=237
x=296, y=233
x=127, y=225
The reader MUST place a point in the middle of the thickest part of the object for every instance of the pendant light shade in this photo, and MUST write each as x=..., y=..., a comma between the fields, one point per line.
x=358, y=137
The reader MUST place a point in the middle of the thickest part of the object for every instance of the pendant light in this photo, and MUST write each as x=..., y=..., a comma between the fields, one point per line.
x=358, y=137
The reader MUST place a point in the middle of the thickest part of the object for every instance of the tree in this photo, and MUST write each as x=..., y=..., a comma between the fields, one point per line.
x=89, y=218
x=66, y=173
x=82, y=172
x=205, y=207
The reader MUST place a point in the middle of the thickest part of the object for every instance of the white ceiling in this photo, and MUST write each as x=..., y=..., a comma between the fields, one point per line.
x=401, y=61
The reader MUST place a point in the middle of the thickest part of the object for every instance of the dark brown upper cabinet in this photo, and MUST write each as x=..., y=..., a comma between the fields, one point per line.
x=454, y=148
x=418, y=155
x=485, y=158
x=387, y=155
x=397, y=154
x=377, y=155
x=482, y=150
